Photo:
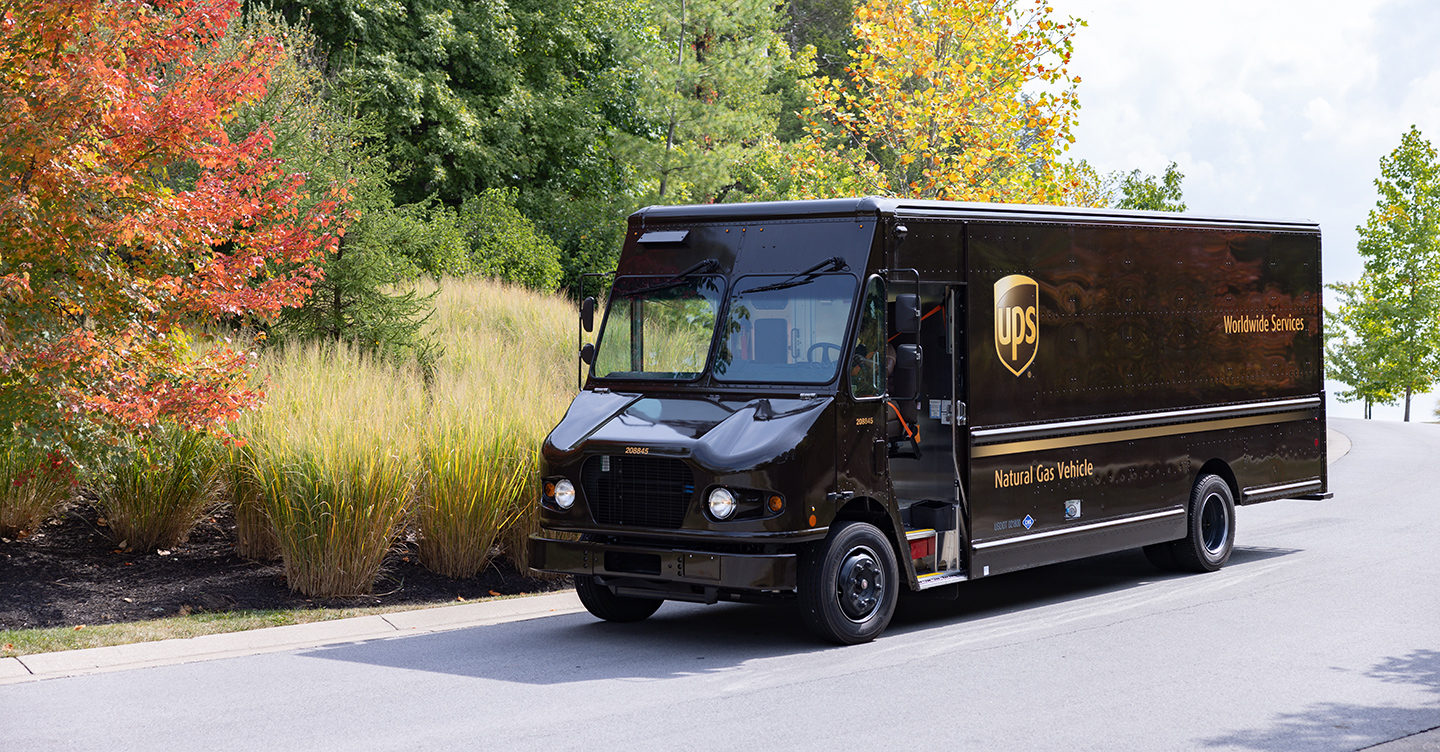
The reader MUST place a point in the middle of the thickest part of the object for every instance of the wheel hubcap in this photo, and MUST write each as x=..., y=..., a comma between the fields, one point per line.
x=1214, y=525
x=861, y=584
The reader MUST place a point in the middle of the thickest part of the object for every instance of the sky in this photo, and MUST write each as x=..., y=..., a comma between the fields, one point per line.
x=1270, y=108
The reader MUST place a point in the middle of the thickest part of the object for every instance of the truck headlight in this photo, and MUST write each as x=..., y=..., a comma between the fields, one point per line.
x=722, y=504
x=564, y=494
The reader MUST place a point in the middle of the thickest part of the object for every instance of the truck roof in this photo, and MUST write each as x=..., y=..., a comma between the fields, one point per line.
x=957, y=210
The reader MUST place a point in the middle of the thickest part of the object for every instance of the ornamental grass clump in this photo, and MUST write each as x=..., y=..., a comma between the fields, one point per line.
x=254, y=533
x=168, y=483
x=336, y=514
x=334, y=460
x=33, y=488
x=477, y=476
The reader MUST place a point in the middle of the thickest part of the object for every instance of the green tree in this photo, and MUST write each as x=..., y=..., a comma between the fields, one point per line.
x=364, y=296
x=1147, y=192
x=477, y=95
x=505, y=244
x=704, y=67
x=1400, y=242
x=1359, y=343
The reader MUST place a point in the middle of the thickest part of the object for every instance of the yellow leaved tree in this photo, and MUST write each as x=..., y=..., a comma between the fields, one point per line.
x=962, y=100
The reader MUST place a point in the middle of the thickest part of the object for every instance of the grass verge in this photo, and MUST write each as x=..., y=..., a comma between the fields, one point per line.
x=18, y=642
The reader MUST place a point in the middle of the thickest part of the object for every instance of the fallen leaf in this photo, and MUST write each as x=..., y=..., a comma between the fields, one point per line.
x=459, y=597
x=102, y=522
x=79, y=627
x=162, y=552
x=9, y=646
x=128, y=600
x=492, y=592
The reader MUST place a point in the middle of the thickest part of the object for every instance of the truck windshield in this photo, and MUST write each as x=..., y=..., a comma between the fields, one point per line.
x=783, y=330
x=658, y=327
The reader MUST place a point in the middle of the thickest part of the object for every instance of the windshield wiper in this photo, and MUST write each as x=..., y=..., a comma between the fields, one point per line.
x=834, y=263
x=708, y=265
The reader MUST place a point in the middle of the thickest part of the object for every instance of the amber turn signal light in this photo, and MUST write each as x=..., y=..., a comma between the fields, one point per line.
x=550, y=490
x=776, y=503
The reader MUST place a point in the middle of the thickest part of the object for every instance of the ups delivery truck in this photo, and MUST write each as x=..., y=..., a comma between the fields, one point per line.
x=826, y=402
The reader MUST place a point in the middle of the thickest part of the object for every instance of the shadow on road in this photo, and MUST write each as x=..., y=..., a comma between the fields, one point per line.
x=1322, y=725
x=687, y=639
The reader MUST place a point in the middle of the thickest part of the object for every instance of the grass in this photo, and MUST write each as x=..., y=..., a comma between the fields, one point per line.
x=168, y=485
x=18, y=642
x=32, y=490
x=348, y=449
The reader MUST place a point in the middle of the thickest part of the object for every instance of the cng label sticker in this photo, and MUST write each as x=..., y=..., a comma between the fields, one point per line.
x=1017, y=321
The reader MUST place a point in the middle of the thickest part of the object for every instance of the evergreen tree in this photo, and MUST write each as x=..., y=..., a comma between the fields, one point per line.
x=704, y=67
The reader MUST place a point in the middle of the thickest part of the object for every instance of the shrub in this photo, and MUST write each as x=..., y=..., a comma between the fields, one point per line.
x=504, y=244
x=170, y=480
x=33, y=488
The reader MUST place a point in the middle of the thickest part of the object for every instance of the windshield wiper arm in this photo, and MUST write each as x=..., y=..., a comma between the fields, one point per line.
x=831, y=264
x=708, y=265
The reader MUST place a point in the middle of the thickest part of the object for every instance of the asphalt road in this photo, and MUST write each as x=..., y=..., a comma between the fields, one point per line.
x=1322, y=633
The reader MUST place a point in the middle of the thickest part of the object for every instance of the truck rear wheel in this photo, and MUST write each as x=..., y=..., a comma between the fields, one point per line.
x=601, y=601
x=848, y=584
x=1210, y=527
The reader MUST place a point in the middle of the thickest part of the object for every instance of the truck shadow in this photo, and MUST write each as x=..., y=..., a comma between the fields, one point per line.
x=687, y=639
x=1056, y=583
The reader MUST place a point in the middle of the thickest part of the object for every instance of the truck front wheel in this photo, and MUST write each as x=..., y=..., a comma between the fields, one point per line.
x=848, y=584
x=601, y=601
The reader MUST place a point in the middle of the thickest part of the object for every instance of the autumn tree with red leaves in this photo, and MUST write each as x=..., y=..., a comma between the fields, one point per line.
x=130, y=221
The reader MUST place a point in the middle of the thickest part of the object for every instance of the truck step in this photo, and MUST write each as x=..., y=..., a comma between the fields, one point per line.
x=936, y=579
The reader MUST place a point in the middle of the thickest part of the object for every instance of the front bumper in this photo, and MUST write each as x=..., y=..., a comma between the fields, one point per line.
x=738, y=572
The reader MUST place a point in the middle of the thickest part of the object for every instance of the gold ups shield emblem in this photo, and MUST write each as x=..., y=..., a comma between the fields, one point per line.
x=1017, y=321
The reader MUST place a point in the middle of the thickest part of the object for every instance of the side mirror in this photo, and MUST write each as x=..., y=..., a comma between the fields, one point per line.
x=587, y=315
x=907, y=313
x=909, y=357
x=905, y=384
x=587, y=354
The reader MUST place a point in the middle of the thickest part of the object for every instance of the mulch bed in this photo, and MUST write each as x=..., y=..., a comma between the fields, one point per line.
x=69, y=573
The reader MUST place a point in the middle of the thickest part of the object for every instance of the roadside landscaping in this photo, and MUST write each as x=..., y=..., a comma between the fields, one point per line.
x=361, y=484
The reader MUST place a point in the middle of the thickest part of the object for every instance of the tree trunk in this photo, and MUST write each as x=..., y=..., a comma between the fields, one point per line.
x=1407, y=404
x=670, y=134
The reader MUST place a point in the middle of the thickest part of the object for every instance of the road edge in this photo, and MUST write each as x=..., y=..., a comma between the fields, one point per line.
x=65, y=663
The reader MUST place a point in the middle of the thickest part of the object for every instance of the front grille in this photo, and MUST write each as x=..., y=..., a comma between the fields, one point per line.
x=637, y=490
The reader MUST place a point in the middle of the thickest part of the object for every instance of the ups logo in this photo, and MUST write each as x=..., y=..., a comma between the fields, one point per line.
x=1017, y=321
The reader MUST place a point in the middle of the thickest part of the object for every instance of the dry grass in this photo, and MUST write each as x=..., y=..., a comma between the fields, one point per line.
x=346, y=447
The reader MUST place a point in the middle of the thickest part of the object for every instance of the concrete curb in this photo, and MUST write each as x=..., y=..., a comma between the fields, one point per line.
x=1338, y=445
x=278, y=639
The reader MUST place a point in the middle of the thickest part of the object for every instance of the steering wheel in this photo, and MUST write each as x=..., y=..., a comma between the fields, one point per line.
x=825, y=354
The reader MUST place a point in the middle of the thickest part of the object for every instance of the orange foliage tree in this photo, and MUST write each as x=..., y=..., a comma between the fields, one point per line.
x=964, y=100
x=130, y=221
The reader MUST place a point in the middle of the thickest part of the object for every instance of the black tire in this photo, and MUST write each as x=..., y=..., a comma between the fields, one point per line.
x=1210, y=527
x=849, y=584
x=601, y=601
